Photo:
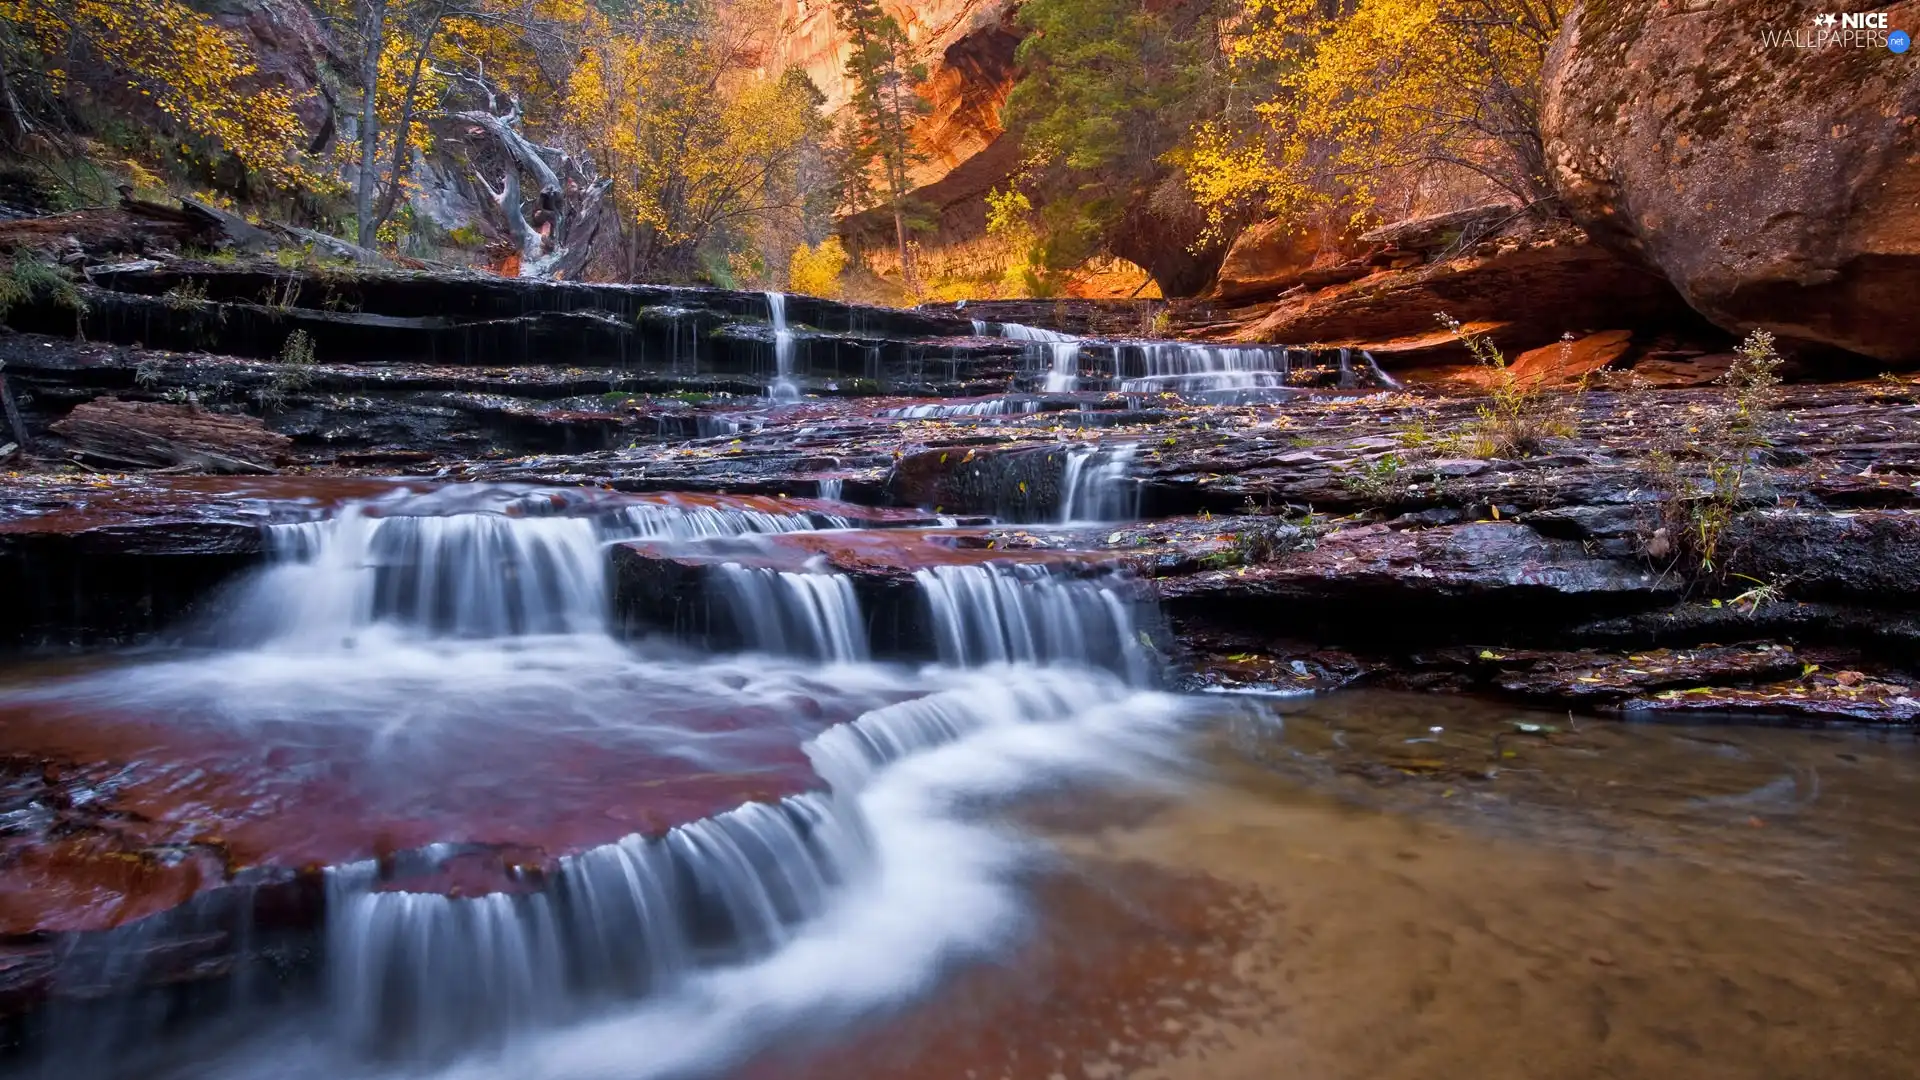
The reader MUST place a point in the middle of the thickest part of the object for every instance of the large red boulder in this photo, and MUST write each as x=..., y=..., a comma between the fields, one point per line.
x=1777, y=185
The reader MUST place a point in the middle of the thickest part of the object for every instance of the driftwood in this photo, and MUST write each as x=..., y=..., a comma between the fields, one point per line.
x=146, y=434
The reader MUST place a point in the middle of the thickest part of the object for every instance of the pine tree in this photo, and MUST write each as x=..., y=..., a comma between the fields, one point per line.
x=886, y=103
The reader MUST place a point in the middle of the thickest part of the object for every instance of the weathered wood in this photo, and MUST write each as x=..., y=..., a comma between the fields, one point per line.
x=147, y=434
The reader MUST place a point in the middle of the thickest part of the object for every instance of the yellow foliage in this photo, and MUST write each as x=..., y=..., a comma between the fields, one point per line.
x=188, y=68
x=689, y=152
x=1394, y=85
x=816, y=270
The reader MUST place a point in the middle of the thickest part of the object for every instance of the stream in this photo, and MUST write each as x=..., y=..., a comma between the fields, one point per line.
x=409, y=801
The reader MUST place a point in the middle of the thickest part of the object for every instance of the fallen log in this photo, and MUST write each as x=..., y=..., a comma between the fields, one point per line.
x=144, y=434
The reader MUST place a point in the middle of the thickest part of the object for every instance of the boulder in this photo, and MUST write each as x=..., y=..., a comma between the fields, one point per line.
x=1276, y=254
x=1776, y=186
x=1563, y=363
x=1525, y=289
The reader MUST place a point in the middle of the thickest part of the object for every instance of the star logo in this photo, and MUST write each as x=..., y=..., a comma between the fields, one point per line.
x=1825, y=19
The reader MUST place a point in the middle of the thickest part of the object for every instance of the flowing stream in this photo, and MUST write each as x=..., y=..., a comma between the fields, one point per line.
x=549, y=851
x=472, y=828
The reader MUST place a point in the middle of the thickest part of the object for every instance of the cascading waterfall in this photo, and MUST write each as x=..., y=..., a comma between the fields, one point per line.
x=1181, y=367
x=460, y=575
x=420, y=974
x=1095, y=486
x=784, y=390
x=1061, y=352
x=1063, y=368
x=650, y=521
x=1018, y=613
x=669, y=952
x=795, y=613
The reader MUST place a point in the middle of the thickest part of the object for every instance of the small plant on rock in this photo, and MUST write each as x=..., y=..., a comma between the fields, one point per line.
x=292, y=372
x=1373, y=480
x=1703, y=476
x=187, y=294
x=1521, y=416
x=29, y=279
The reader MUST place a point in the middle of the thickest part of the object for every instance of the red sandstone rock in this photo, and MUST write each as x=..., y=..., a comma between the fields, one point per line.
x=1528, y=288
x=1777, y=187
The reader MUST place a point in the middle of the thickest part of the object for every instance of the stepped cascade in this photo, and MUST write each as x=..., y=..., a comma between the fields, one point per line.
x=406, y=643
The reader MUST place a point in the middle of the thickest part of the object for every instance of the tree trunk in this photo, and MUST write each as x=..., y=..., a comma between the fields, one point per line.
x=14, y=124
x=403, y=135
x=575, y=205
x=373, y=35
x=900, y=238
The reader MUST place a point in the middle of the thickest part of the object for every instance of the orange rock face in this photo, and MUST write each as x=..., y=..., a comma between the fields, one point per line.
x=1776, y=183
x=967, y=47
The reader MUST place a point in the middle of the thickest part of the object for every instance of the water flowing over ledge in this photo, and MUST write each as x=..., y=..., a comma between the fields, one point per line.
x=412, y=634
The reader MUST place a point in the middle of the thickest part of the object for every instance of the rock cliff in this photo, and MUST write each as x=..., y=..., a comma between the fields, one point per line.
x=967, y=47
x=1775, y=182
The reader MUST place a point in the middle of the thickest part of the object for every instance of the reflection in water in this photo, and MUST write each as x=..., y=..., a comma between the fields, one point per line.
x=1348, y=892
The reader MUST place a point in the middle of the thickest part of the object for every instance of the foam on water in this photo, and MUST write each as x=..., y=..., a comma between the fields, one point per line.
x=408, y=636
x=784, y=390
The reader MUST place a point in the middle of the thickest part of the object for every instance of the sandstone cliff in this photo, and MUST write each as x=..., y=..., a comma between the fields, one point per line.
x=967, y=47
x=1777, y=186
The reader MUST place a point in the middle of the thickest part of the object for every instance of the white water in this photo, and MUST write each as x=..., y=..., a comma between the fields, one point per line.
x=784, y=390
x=1095, y=486
x=995, y=614
x=1061, y=351
x=397, y=640
x=1184, y=368
x=795, y=613
x=943, y=410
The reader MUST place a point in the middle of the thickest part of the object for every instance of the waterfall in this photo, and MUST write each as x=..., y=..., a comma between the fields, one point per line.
x=722, y=927
x=1063, y=369
x=795, y=614
x=1094, y=485
x=459, y=575
x=784, y=391
x=944, y=410
x=422, y=974
x=465, y=574
x=1181, y=367
x=674, y=951
x=1060, y=351
x=1373, y=366
x=830, y=487
x=1023, y=613
x=689, y=522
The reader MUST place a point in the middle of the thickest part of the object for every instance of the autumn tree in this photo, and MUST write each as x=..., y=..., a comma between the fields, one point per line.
x=1363, y=98
x=197, y=76
x=1110, y=88
x=886, y=104
x=697, y=147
